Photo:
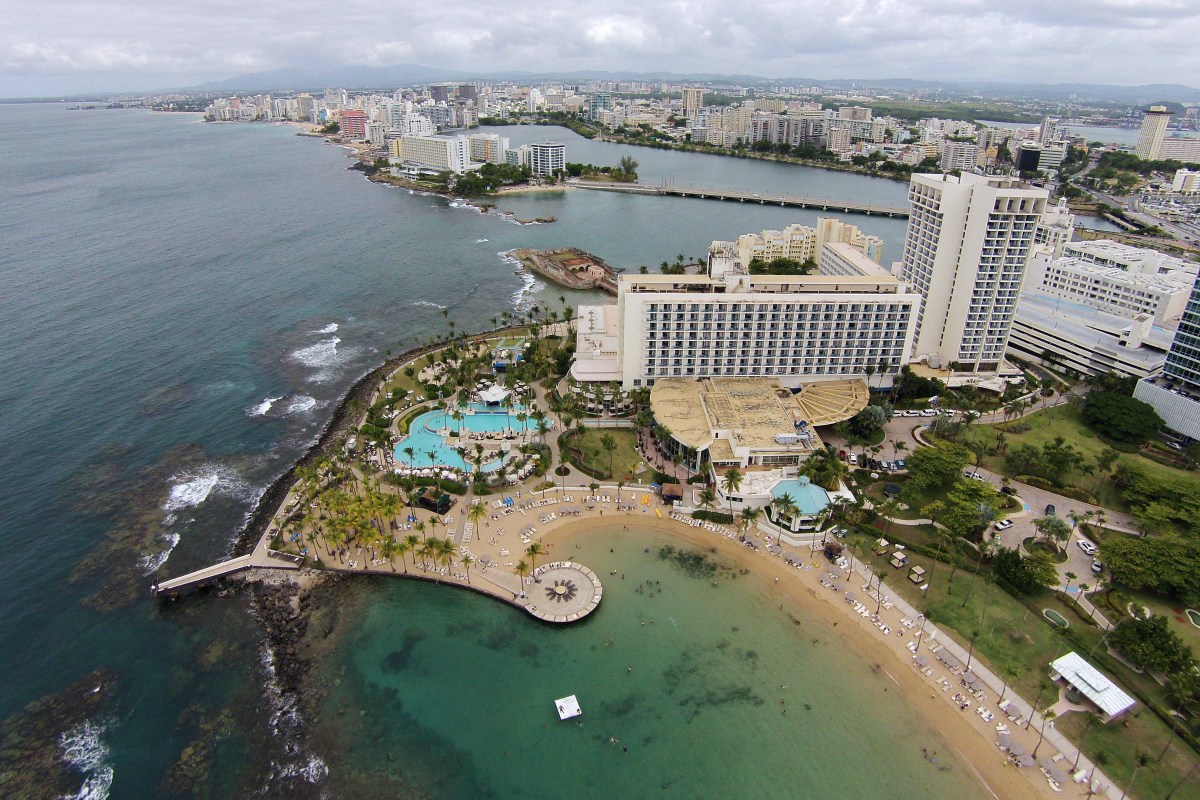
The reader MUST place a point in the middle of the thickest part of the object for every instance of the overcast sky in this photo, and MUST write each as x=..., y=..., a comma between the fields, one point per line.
x=65, y=46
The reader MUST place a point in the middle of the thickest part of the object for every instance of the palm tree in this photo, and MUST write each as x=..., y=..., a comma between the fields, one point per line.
x=1142, y=759
x=388, y=551
x=466, y=562
x=533, y=551
x=731, y=483
x=522, y=569
x=1070, y=577
x=408, y=544
x=749, y=517
x=609, y=445
x=707, y=498
x=879, y=591
x=476, y=512
x=887, y=509
x=785, y=506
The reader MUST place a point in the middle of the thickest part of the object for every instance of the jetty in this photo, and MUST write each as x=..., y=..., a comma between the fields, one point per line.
x=736, y=195
x=260, y=558
x=570, y=267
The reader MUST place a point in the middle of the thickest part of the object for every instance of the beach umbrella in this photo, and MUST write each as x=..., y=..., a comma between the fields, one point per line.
x=922, y=661
x=1052, y=771
x=1025, y=761
x=1017, y=749
x=1004, y=741
x=851, y=597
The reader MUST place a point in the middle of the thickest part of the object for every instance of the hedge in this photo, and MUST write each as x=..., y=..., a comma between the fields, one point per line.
x=719, y=517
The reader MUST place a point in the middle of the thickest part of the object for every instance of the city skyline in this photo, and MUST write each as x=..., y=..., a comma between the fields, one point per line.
x=116, y=46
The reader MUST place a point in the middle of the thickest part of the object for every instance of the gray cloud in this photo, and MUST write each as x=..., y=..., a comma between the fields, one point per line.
x=60, y=46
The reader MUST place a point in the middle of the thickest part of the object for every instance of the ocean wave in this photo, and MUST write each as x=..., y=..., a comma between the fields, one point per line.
x=191, y=490
x=480, y=241
x=262, y=407
x=150, y=564
x=330, y=328
x=322, y=354
x=522, y=298
x=285, y=721
x=84, y=749
x=428, y=304
x=300, y=404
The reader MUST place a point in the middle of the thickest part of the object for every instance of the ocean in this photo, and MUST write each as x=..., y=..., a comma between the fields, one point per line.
x=184, y=304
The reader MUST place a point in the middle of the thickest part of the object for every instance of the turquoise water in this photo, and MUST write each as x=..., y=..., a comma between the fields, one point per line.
x=423, y=437
x=182, y=299
x=689, y=677
x=809, y=498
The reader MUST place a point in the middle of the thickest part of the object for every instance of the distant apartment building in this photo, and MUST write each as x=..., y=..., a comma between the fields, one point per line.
x=965, y=252
x=1186, y=181
x=487, y=148
x=1175, y=394
x=597, y=102
x=848, y=317
x=693, y=101
x=1180, y=148
x=799, y=242
x=1054, y=230
x=546, y=158
x=431, y=153
x=353, y=123
x=1154, y=130
x=959, y=156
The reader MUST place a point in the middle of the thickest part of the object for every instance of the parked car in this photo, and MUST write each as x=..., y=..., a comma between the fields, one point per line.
x=929, y=412
x=897, y=413
x=1087, y=547
x=842, y=455
x=853, y=458
x=1049, y=510
x=889, y=465
x=1097, y=567
x=1007, y=490
x=901, y=463
x=912, y=413
x=1004, y=524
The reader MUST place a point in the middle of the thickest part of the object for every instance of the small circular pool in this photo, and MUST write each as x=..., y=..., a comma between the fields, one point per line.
x=1055, y=617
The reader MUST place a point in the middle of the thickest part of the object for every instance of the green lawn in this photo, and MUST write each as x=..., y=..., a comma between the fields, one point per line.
x=1065, y=421
x=1018, y=645
x=625, y=458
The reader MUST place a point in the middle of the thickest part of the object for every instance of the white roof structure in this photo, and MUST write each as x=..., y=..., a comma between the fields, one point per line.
x=568, y=707
x=1092, y=683
x=493, y=394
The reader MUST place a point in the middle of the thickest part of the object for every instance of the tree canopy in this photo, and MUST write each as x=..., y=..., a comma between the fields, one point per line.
x=1161, y=505
x=1025, y=574
x=970, y=507
x=1168, y=565
x=1121, y=417
x=781, y=266
x=1052, y=461
x=866, y=422
x=935, y=467
x=1151, y=644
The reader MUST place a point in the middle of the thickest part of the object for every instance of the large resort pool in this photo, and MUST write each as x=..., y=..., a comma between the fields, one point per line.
x=430, y=433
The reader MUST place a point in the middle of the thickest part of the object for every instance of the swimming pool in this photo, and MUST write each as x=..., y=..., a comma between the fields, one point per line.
x=423, y=437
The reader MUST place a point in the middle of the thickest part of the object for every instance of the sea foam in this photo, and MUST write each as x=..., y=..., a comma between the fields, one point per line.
x=428, y=304
x=300, y=404
x=330, y=328
x=262, y=407
x=84, y=749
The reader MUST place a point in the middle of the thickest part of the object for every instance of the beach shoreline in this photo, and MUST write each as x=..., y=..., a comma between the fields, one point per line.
x=963, y=733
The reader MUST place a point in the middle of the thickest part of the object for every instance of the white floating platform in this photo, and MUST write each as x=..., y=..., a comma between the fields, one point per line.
x=568, y=707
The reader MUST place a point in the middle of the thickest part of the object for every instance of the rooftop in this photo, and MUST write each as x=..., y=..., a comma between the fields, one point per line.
x=1092, y=683
x=753, y=411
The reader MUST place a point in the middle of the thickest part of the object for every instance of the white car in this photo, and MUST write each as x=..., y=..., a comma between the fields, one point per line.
x=1004, y=524
x=1087, y=547
x=929, y=412
x=853, y=458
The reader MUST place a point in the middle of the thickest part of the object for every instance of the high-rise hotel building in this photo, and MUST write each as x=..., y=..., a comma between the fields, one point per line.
x=850, y=317
x=965, y=253
x=1175, y=394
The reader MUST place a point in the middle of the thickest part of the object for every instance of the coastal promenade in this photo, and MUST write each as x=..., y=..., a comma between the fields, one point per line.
x=736, y=195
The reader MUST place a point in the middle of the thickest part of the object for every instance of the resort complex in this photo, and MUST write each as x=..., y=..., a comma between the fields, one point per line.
x=799, y=409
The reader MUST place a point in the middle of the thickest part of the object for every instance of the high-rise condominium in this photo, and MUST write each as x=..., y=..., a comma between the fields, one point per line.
x=965, y=253
x=1154, y=129
x=693, y=99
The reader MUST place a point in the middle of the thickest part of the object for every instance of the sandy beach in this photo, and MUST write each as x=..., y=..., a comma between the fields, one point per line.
x=800, y=592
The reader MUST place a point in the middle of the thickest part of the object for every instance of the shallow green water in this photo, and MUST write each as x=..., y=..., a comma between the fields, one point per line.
x=703, y=711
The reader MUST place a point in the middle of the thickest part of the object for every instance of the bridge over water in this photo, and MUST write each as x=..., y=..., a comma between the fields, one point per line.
x=737, y=195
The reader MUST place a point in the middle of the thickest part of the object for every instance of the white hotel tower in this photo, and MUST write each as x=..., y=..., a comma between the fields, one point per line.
x=849, y=316
x=965, y=253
